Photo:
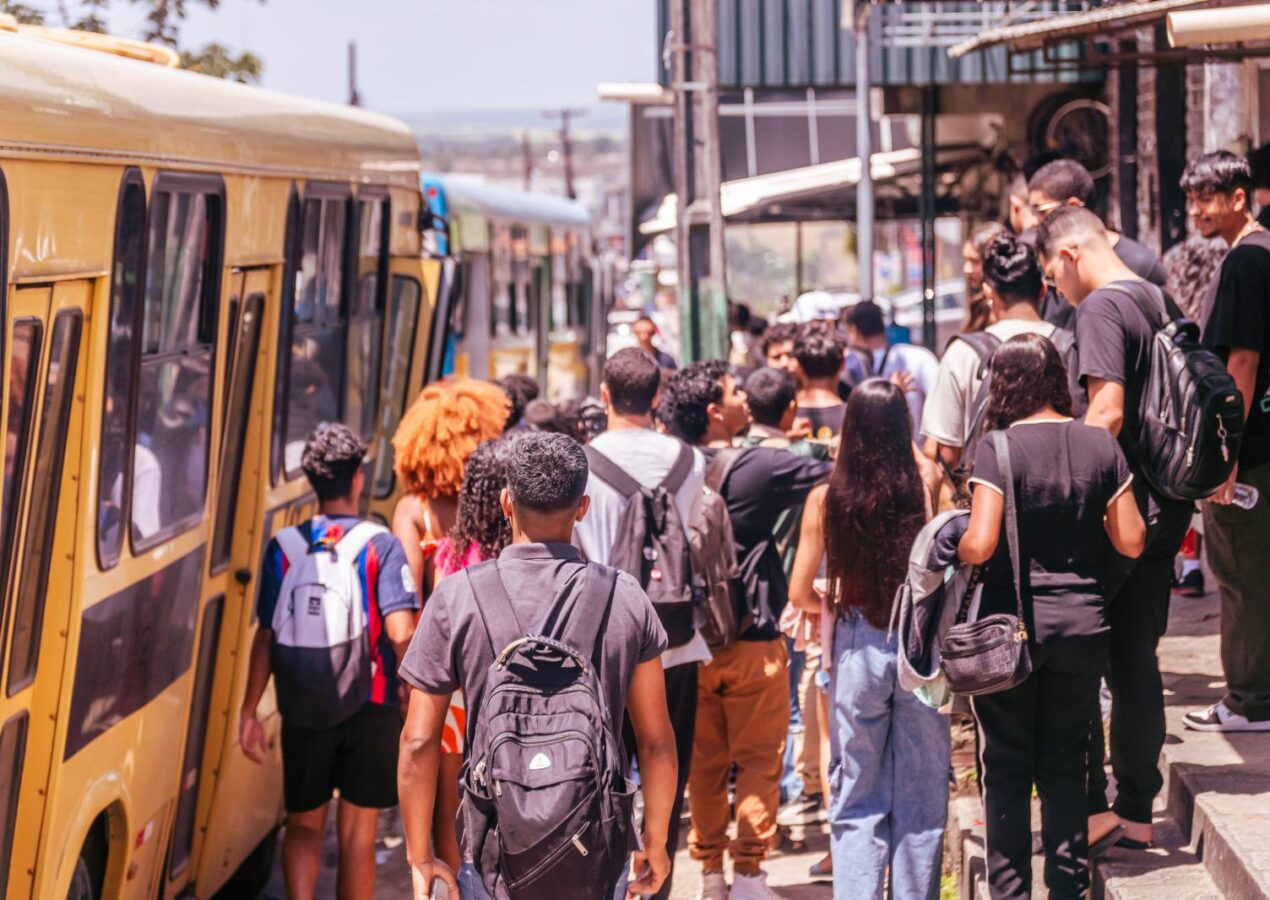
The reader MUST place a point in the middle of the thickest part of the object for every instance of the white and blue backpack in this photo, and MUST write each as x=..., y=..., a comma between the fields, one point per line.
x=321, y=646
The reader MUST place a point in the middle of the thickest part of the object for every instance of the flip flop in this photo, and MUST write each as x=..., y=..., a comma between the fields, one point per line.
x=1113, y=838
x=1129, y=843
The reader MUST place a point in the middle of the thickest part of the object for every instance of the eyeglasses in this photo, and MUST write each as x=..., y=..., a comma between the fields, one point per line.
x=1043, y=209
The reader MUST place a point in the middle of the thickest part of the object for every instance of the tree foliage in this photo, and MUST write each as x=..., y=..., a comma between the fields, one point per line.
x=162, y=26
x=219, y=62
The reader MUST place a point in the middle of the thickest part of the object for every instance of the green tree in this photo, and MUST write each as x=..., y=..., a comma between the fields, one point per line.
x=162, y=26
x=218, y=61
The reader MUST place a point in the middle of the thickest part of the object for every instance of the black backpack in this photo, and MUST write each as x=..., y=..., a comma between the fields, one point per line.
x=718, y=587
x=984, y=345
x=653, y=542
x=1191, y=415
x=546, y=811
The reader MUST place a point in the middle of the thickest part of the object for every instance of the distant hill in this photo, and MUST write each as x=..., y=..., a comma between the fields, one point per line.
x=599, y=120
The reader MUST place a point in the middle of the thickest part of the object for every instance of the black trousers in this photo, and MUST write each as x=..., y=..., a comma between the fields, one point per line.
x=1139, y=614
x=681, y=700
x=1037, y=733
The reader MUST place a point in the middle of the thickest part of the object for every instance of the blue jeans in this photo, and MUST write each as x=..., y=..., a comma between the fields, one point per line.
x=888, y=772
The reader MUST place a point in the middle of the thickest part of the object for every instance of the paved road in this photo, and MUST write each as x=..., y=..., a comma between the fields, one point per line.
x=787, y=872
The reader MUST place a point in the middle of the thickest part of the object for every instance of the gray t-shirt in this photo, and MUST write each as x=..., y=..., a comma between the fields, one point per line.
x=450, y=649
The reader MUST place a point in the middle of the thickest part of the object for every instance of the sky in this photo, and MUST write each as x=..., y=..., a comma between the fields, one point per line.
x=426, y=56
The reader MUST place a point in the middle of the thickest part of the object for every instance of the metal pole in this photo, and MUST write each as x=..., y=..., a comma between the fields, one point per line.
x=798, y=259
x=682, y=165
x=929, y=106
x=713, y=339
x=864, y=150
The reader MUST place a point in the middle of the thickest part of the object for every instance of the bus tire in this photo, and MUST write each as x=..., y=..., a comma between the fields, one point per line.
x=90, y=869
x=251, y=876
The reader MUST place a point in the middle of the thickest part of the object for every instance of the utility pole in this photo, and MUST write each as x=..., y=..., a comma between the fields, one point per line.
x=354, y=98
x=697, y=166
x=527, y=159
x=566, y=117
x=864, y=150
x=714, y=297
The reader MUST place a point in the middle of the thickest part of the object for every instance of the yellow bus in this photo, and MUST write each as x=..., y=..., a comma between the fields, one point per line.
x=196, y=273
x=520, y=290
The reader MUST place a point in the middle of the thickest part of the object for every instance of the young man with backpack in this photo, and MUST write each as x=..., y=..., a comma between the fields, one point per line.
x=337, y=609
x=743, y=692
x=1218, y=188
x=1116, y=342
x=549, y=650
x=635, y=470
x=1013, y=285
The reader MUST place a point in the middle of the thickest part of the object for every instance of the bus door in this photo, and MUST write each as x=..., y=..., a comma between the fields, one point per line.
x=412, y=296
x=43, y=413
x=233, y=556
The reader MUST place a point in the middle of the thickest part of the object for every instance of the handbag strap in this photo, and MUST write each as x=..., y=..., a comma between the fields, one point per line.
x=1002, y=448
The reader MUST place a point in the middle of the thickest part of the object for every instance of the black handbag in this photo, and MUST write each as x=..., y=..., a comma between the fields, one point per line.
x=991, y=654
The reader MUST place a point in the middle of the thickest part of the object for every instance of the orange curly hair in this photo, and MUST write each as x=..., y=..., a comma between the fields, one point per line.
x=441, y=429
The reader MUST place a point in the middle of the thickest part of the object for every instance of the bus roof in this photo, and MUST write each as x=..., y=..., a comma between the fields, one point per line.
x=468, y=195
x=69, y=102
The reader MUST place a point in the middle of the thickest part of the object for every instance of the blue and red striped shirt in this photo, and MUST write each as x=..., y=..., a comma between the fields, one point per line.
x=386, y=583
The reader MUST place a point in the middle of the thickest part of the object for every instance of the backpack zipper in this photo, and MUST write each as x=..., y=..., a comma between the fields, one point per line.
x=577, y=842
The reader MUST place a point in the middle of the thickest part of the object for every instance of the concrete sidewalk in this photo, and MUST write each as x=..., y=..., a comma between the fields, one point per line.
x=1212, y=820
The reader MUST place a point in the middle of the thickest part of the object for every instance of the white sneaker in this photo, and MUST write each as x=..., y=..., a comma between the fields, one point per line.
x=752, y=887
x=1220, y=717
x=713, y=886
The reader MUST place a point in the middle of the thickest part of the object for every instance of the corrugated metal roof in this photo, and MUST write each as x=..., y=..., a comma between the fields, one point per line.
x=801, y=43
x=1033, y=35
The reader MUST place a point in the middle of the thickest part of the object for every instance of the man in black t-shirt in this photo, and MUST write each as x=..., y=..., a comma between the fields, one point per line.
x=1113, y=338
x=743, y=693
x=1237, y=327
x=1065, y=182
x=818, y=351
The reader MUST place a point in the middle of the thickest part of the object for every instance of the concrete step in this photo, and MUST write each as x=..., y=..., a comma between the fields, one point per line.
x=1216, y=786
x=1168, y=871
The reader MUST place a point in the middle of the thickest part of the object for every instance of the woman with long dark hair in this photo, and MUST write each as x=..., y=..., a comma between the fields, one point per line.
x=1073, y=507
x=889, y=754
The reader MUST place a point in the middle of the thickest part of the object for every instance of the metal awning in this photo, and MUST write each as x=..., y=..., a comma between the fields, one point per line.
x=1034, y=35
x=746, y=194
x=1231, y=25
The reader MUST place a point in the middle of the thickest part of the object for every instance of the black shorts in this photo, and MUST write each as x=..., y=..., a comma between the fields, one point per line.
x=358, y=757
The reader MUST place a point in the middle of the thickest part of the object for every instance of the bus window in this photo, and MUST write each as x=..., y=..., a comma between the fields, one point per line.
x=291, y=265
x=242, y=375
x=502, y=323
x=365, y=335
x=317, y=326
x=403, y=314
x=12, y=753
x=28, y=609
x=114, y=479
x=24, y=366
x=174, y=391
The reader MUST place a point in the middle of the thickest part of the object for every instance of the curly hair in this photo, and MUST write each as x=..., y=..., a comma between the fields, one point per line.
x=1010, y=266
x=818, y=348
x=332, y=455
x=874, y=506
x=441, y=429
x=546, y=472
x=1027, y=375
x=686, y=396
x=480, y=520
x=521, y=390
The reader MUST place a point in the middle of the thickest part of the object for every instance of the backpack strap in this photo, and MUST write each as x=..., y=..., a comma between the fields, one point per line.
x=585, y=616
x=1157, y=316
x=1063, y=340
x=678, y=473
x=721, y=467
x=1011, y=518
x=982, y=343
x=493, y=606
x=611, y=473
x=354, y=541
x=293, y=545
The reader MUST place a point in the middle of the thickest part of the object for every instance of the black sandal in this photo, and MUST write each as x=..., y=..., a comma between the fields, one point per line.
x=1128, y=843
x=1113, y=838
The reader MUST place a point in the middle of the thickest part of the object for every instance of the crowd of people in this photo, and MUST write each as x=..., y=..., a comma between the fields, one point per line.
x=665, y=586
